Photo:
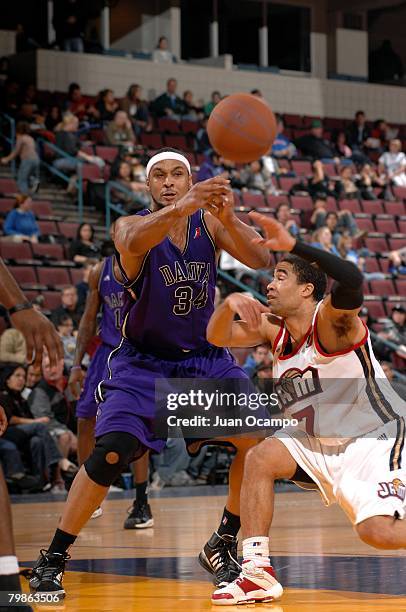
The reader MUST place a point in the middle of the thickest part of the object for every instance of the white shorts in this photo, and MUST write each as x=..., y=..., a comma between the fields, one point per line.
x=365, y=476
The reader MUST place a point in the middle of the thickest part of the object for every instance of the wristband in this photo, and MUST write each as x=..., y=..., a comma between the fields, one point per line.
x=76, y=367
x=19, y=307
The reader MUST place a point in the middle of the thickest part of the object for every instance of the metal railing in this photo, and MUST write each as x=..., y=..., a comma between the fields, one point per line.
x=113, y=205
x=11, y=139
x=55, y=171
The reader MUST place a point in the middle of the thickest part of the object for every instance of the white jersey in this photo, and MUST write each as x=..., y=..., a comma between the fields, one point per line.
x=335, y=396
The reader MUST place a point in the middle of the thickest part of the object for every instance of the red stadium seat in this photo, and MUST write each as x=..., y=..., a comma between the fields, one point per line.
x=54, y=277
x=274, y=200
x=382, y=287
x=399, y=192
x=42, y=208
x=331, y=204
x=68, y=229
x=8, y=185
x=48, y=228
x=292, y=120
x=15, y=250
x=371, y=264
x=253, y=200
x=301, y=167
x=244, y=217
x=88, y=149
x=284, y=163
x=401, y=286
x=190, y=127
x=98, y=136
x=402, y=225
x=6, y=204
x=177, y=141
x=330, y=169
x=165, y=124
x=52, y=299
x=91, y=172
x=287, y=182
x=375, y=307
x=76, y=275
x=387, y=225
x=24, y=275
x=365, y=223
x=49, y=251
x=109, y=154
x=376, y=244
x=351, y=205
x=151, y=140
x=301, y=202
x=397, y=242
x=395, y=208
x=372, y=207
x=384, y=265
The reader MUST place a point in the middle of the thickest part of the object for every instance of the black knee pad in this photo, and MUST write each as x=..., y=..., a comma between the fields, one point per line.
x=120, y=447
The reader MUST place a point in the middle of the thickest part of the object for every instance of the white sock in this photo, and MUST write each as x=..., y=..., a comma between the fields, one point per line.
x=256, y=549
x=8, y=566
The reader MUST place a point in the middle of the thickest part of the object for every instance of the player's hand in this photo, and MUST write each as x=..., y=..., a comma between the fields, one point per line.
x=247, y=308
x=223, y=208
x=76, y=381
x=277, y=238
x=204, y=195
x=38, y=332
x=3, y=421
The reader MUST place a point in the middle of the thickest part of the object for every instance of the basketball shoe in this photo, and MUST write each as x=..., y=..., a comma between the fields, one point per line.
x=47, y=573
x=219, y=557
x=139, y=517
x=254, y=585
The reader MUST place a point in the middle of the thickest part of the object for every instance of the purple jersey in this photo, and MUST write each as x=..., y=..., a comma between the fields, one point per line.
x=111, y=292
x=174, y=293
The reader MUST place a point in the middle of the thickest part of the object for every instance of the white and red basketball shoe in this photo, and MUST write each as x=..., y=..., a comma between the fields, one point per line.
x=254, y=585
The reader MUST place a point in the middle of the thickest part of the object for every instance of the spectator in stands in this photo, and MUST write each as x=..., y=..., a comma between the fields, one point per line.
x=28, y=432
x=395, y=329
x=368, y=179
x=14, y=468
x=162, y=53
x=106, y=105
x=257, y=179
x=20, y=223
x=397, y=262
x=84, y=247
x=13, y=348
x=358, y=132
x=213, y=166
x=346, y=187
x=69, y=21
x=53, y=118
x=25, y=150
x=119, y=132
x=137, y=109
x=33, y=377
x=396, y=383
x=338, y=223
x=214, y=99
x=260, y=356
x=319, y=214
x=340, y=145
x=168, y=104
x=393, y=163
x=65, y=331
x=190, y=110
x=345, y=248
x=68, y=141
x=320, y=185
x=282, y=146
x=378, y=137
x=314, y=145
x=83, y=286
x=323, y=239
x=203, y=144
x=70, y=306
x=283, y=215
x=78, y=105
x=49, y=400
x=136, y=196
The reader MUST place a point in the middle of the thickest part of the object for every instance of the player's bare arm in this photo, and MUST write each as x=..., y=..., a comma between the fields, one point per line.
x=256, y=324
x=87, y=329
x=338, y=324
x=234, y=236
x=37, y=330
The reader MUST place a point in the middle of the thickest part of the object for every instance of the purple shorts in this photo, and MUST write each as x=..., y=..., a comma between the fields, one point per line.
x=127, y=395
x=86, y=408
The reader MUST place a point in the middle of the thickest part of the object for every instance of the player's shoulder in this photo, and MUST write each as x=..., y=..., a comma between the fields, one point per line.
x=272, y=325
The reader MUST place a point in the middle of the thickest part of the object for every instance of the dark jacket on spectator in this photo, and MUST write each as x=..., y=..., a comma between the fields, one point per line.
x=78, y=247
x=318, y=148
x=164, y=101
x=68, y=142
x=355, y=136
x=75, y=315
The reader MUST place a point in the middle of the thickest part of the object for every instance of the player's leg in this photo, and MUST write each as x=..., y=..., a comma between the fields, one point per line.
x=384, y=532
x=85, y=437
x=264, y=463
x=112, y=453
x=139, y=515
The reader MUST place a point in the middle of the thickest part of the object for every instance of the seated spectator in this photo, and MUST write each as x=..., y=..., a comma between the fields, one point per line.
x=27, y=432
x=213, y=166
x=68, y=140
x=393, y=163
x=260, y=356
x=368, y=179
x=358, y=132
x=345, y=187
x=79, y=106
x=314, y=145
x=137, y=109
x=396, y=383
x=13, y=348
x=190, y=110
x=84, y=247
x=53, y=118
x=340, y=146
x=170, y=466
x=395, y=329
x=162, y=53
x=106, y=105
x=256, y=178
x=337, y=223
x=378, y=137
x=345, y=248
x=214, y=100
x=168, y=104
x=282, y=147
x=137, y=196
x=48, y=399
x=33, y=377
x=14, y=469
x=20, y=223
x=83, y=287
x=25, y=150
x=203, y=144
x=64, y=327
x=320, y=185
x=323, y=239
x=397, y=262
x=119, y=131
x=70, y=306
x=283, y=215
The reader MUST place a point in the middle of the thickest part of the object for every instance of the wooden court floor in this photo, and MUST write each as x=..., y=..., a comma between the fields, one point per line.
x=320, y=562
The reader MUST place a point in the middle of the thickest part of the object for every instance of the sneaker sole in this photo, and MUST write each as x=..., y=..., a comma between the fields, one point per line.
x=259, y=596
x=61, y=594
x=146, y=525
x=97, y=513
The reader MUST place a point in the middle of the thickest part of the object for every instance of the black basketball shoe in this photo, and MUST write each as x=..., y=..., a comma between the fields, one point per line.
x=139, y=517
x=219, y=557
x=46, y=575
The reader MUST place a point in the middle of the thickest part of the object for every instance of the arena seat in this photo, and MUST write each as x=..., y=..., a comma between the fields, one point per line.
x=6, y=204
x=49, y=251
x=177, y=141
x=152, y=140
x=372, y=265
x=352, y=205
x=365, y=222
x=253, y=200
x=171, y=126
x=15, y=250
x=401, y=286
x=402, y=225
x=372, y=207
x=190, y=127
x=375, y=306
x=395, y=208
x=301, y=167
x=397, y=242
x=24, y=275
x=382, y=287
x=286, y=182
x=8, y=185
x=331, y=204
x=76, y=275
x=301, y=202
x=68, y=229
x=42, y=208
x=48, y=228
x=274, y=200
x=386, y=224
x=52, y=299
x=54, y=277
x=109, y=154
x=376, y=244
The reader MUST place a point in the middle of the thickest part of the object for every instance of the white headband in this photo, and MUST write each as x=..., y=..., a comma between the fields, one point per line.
x=168, y=155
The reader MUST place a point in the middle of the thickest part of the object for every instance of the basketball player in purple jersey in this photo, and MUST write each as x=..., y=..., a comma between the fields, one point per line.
x=168, y=258
x=105, y=292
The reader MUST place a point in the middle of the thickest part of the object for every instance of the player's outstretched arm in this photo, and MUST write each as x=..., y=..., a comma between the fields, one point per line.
x=35, y=327
x=252, y=329
x=235, y=236
x=338, y=324
x=87, y=329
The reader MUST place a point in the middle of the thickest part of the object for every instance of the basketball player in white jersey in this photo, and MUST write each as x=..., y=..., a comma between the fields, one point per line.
x=351, y=430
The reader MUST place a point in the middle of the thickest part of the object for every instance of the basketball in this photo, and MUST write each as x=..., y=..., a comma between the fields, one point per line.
x=242, y=127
